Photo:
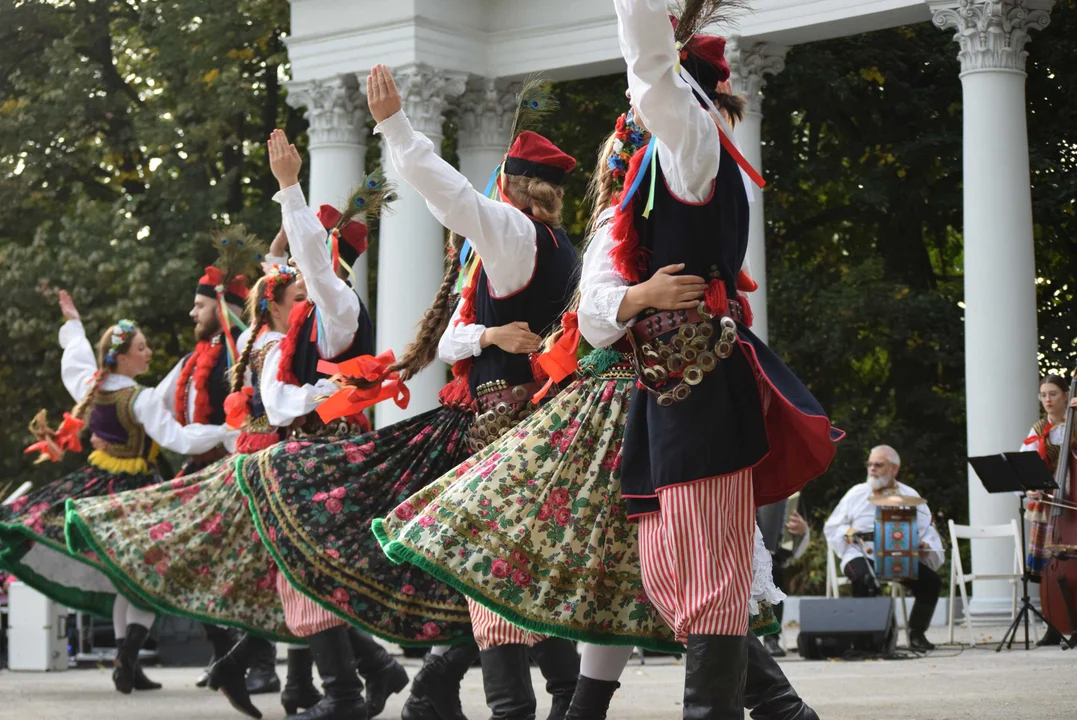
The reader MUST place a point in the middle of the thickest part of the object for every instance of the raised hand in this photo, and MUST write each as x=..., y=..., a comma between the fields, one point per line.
x=515, y=338
x=67, y=307
x=284, y=159
x=382, y=95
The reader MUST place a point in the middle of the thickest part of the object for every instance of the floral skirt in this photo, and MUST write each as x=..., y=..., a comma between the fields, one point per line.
x=185, y=547
x=33, y=546
x=313, y=501
x=534, y=528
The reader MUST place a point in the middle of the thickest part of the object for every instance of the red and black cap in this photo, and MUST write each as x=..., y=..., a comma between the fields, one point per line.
x=532, y=155
x=353, y=235
x=703, y=56
x=235, y=293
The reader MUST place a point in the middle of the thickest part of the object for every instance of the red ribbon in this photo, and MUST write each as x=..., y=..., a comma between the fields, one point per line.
x=745, y=282
x=350, y=401
x=560, y=361
x=1040, y=440
x=65, y=439
x=746, y=166
x=237, y=406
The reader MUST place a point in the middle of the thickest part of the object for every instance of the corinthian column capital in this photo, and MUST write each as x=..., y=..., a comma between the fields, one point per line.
x=486, y=114
x=748, y=63
x=992, y=34
x=336, y=110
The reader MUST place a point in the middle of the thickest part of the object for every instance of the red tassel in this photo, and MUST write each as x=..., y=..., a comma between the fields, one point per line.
x=296, y=318
x=715, y=299
x=747, y=316
x=627, y=258
x=456, y=394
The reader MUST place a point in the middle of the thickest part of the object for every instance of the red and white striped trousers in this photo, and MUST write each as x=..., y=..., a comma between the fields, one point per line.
x=303, y=616
x=492, y=630
x=696, y=555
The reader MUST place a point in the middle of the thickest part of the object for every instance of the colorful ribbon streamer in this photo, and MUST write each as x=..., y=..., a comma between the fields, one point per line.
x=560, y=361
x=53, y=445
x=350, y=401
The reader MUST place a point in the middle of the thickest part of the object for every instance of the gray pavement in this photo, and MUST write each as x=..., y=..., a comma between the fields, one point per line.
x=952, y=682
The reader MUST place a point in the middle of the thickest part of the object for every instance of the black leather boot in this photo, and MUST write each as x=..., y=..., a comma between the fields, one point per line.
x=299, y=691
x=262, y=676
x=335, y=659
x=222, y=639
x=127, y=675
x=560, y=665
x=229, y=675
x=419, y=708
x=384, y=676
x=438, y=681
x=715, y=669
x=506, y=679
x=591, y=701
x=767, y=692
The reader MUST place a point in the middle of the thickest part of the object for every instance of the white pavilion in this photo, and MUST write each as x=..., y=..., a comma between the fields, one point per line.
x=466, y=54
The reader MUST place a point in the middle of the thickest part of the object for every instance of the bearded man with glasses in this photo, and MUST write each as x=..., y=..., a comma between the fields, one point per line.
x=855, y=516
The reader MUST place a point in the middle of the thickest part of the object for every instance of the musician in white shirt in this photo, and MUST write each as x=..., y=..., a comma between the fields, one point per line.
x=855, y=516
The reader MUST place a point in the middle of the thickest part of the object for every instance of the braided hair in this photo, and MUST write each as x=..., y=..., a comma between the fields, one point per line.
x=107, y=349
x=268, y=290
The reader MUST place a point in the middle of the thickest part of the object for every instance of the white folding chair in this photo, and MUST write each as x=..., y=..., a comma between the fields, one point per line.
x=959, y=578
x=834, y=581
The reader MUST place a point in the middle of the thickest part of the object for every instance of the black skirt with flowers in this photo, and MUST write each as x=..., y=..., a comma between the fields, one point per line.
x=313, y=501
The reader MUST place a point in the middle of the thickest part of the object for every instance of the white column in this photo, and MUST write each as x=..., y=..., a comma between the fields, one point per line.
x=1000, y=292
x=336, y=111
x=748, y=63
x=412, y=243
x=485, y=120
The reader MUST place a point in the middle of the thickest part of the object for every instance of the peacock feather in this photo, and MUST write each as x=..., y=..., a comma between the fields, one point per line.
x=239, y=252
x=695, y=15
x=369, y=198
x=534, y=102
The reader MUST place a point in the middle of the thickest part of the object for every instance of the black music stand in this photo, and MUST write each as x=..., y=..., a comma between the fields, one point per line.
x=1016, y=472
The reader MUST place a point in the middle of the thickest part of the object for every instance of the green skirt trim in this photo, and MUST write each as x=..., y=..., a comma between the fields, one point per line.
x=400, y=553
x=244, y=486
x=80, y=538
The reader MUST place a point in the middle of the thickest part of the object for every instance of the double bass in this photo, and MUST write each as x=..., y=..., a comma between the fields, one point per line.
x=1058, y=586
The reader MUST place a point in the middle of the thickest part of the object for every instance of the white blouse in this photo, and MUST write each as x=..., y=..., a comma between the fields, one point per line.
x=77, y=369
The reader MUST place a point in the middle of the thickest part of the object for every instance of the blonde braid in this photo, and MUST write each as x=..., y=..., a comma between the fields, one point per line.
x=239, y=371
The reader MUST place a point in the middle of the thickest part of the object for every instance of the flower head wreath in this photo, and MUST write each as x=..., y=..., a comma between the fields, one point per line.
x=122, y=332
x=277, y=275
x=629, y=139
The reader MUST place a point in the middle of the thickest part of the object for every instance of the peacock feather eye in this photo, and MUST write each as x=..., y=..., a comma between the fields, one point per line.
x=535, y=104
x=224, y=242
x=372, y=183
x=239, y=243
x=360, y=202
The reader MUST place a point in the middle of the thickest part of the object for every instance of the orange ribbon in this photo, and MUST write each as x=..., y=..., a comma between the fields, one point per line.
x=350, y=401
x=560, y=361
x=237, y=406
x=54, y=445
x=746, y=166
x=745, y=282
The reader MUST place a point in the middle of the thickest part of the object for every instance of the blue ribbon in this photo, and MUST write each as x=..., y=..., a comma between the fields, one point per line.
x=638, y=180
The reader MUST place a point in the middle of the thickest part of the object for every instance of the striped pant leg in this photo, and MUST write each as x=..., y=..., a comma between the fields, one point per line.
x=696, y=555
x=303, y=616
x=492, y=630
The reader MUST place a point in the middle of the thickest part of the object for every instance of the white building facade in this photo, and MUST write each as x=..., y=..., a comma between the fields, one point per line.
x=465, y=54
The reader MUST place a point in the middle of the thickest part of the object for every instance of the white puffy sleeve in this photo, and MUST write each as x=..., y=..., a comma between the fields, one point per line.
x=162, y=427
x=285, y=403
x=460, y=341
x=601, y=291
x=78, y=364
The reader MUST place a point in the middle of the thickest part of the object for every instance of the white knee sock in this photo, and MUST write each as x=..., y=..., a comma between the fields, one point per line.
x=119, y=617
x=439, y=650
x=603, y=662
x=135, y=616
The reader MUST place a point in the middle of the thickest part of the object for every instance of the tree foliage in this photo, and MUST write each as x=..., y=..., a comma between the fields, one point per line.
x=129, y=130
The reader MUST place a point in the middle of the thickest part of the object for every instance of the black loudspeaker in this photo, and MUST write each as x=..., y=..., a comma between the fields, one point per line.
x=832, y=627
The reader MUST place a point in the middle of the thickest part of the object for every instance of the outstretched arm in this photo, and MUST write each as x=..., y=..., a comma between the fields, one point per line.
x=78, y=364
x=688, y=144
x=502, y=235
x=338, y=305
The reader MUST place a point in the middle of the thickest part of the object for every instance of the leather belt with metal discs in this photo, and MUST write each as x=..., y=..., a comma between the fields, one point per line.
x=670, y=368
x=501, y=408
